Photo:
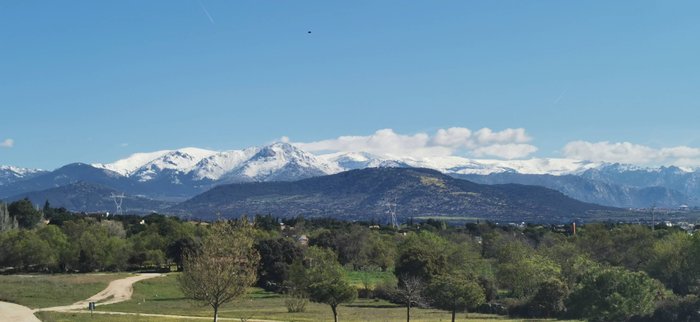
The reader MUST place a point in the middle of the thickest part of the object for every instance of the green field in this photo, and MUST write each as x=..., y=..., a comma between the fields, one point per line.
x=86, y=317
x=37, y=291
x=359, y=278
x=161, y=296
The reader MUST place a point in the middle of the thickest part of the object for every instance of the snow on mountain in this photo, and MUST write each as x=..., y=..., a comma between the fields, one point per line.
x=179, y=161
x=358, y=160
x=215, y=166
x=278, y=161
x=147, y=163
x=461, y=165
x=530, y=166
x=281, y=162
x=9, y=174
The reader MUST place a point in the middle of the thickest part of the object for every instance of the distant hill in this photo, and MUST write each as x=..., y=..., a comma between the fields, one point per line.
x=367, y=194
x=177, y=175
x=592, y=190
x=87, y=197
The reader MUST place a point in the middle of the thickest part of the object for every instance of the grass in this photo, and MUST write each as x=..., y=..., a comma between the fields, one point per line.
x=358, y=278
x=37, y=291
x=85, y=317
x=162, y=296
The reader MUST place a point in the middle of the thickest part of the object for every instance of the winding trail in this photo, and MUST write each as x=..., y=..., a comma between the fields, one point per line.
x=117, y=291
x=10, y=312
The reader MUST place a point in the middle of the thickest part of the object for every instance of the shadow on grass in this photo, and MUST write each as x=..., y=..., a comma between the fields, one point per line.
x=370, y=306
x=160, y=299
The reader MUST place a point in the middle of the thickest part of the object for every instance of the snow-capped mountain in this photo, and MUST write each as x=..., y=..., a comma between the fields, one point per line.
x=217, y=165
x=145, y=165
x=275, y=162
x=360, y=160
x=175, y=175
x=280, y=162
x=10, y=174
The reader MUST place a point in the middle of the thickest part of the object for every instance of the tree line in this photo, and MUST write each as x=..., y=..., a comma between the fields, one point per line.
x=604, y=272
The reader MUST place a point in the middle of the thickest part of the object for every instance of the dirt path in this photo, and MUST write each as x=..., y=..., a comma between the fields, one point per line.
x=189, y=317
x=117, y=291
x=10, y=312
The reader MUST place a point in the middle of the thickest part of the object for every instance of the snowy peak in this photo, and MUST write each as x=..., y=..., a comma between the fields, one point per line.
x=181, y=161
x=360, y=160
x=217, y=165
x=143, y=165
x=9, y=174
x=279, y=162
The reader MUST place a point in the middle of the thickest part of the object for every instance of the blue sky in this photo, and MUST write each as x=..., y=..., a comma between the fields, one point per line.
x=94, y=81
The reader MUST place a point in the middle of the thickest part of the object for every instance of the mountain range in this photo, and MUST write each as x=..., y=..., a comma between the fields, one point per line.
x=171, y=176
x=370, y=193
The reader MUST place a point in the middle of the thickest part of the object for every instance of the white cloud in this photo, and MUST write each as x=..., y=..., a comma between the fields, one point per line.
x=626, y=152
x=7, y=143
x=508, y=143
x=506, y=151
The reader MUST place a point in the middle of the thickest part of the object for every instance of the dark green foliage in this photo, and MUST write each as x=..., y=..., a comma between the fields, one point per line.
x=455, y=293
x=358, y=246
x=548, y=302
x=322, y=279
x=177, y=249
x=419, y=256
x=675, y=309
x=672, y=262
x=276, y=255
x=23, y=210
x=266, y=222
x=614, y=294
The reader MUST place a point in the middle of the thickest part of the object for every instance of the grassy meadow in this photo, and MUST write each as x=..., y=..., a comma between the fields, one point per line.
x=161, y=295
x=38, y=291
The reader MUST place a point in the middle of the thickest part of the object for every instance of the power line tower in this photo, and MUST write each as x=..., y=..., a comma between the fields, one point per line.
x=653, y=217
x=392, y=213
x=118, y=200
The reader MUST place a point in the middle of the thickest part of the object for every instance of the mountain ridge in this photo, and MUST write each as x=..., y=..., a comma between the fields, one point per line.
x=176, y=175
x=366, y=194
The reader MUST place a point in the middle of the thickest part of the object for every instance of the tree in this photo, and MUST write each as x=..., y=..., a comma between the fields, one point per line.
x=614, y=294
x=672, y=262
x=421, y=255
x=223, y=268
x=323, y=279
x=7, y=222
x=410, y=292
x=455, y=292
x=177, y=249
x=275, y=257
x=25, y=213
x=521, y=269
x=549, y=299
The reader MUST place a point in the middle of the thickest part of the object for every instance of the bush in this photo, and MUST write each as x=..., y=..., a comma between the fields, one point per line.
x=546, y=303
x=295, y=304
x=675, y=309
x=386, y=290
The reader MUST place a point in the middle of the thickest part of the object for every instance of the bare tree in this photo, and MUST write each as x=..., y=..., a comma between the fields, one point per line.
x=410, y=292
x=223, y=268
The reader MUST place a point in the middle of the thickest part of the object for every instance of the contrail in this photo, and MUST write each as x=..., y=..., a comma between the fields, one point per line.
x=206, y=12
x=556, y=101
